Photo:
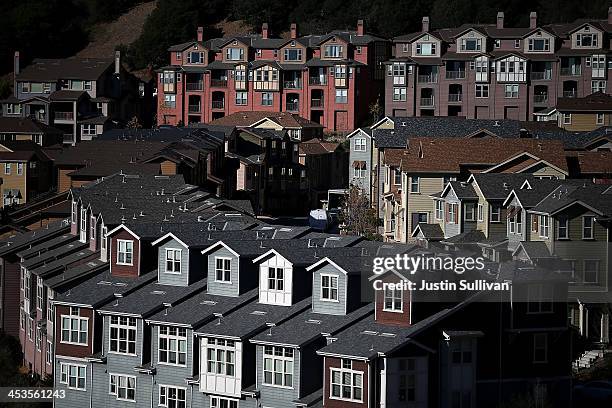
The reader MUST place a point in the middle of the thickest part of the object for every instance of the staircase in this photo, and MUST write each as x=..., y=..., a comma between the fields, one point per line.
x=587, y=359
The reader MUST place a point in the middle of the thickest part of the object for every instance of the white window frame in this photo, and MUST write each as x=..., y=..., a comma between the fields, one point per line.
x=566, y=118
x=49, y=353
x=274, y=279
x=168, y=393
x=74, y=212
x=273, y=355
x=70, y=330
x=40, y=294
x=439, y=209
x=394, y=296
x=220, y=355
x=340, y=386
x=215, y=402
x=599, y=118
x=67, y=374
x=127, y=250
x=563, y=224
x=122, y=323
x=175, y=339
x=480, y=212
x=415, y=181
x=118, y=386
x=360, y=144
x=330, y=287
x=584, y=263
x=225, y=272
x=590, y=228
x=495, y=215
x=173, y=258
x=473, y=212
x=482, y=91
x=543, y=226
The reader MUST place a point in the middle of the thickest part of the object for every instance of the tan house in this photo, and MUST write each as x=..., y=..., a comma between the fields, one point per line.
x=585, y=114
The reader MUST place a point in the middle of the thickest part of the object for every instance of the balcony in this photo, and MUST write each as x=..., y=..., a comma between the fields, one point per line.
x=195, y=86
x=571, y=71
x=569, y=94
x=540, y=98
x=455, y=74
x=218, y=104
x=427, y=79
x=455, y=97
x=541, y=76
x=195, y=108
x=293, y=106
x=316, y=103
x=295, y=84
x=64, y=115
x=427, y=102
x=219, y=83
x=317, y=80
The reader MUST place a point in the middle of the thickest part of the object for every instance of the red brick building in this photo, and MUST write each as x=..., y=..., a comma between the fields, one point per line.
x=330, y=79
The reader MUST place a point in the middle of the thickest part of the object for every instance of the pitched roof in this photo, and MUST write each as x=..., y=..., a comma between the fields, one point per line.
x=597, y=102
x=65, y=68
x=317, y=146
x=595, y=196
x=25, y=125
x=598, y=162
x=249, y=118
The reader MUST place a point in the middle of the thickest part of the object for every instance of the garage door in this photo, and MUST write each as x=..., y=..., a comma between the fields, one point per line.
x=511, y=112
x=482, y=112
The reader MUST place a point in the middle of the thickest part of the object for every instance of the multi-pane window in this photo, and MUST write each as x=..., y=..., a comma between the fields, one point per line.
x=278, y=366
x=73, y=375
x=234, y=54
x=398, y=70
x=439, y=209
x=223, y=272
x=173, y=261
x=170, y=101
x=415, y=184
x=426, y=48
x=399, y=94
x=30, y=329
x=333, y=51
x=74, y=328
x=89, y=129
x=27, y=283
x=122, y=336
x=92, y=227
x=172, y=397
x=511, y=90
x=122, y=386
x=195, y=57
x=397, y=177
x=586, y=40
x=341, y=95
x=267, y=98
x=469, y=211
x=598, y=86
x=562, y=228
x=393, y=300
x=544, y=226
x=566, y=118
x=221, y=357
x=539, y=44
x=329, y=287
x=7, y=169
x=540, y=298
x=19, y=169
x=591, y=271
x=599, y=119
x=346, y=383
x=359, y=169
x=218, y=402
x=40, y=294
x=471, y=44
x=241, y=98
x=495, y=213
x=125, y=252
x=173, y=345
x=293, y=54
x=407, y=380
x=360, y=144
x=49, y=354
x=482, y=90
x=480, y=212
x=276, y=278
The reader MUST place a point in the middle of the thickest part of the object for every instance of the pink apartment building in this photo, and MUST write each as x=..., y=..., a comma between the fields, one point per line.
x=330, y=79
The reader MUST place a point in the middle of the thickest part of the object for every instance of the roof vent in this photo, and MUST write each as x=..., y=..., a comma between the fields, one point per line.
x=369, y=332
x=208, y=302
x=259, y=312
x=158, y=292
x=496, y=123
x=313, y=321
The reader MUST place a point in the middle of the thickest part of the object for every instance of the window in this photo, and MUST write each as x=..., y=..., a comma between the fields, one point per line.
x=359, y=170
x=122, y=336
x=426, y=49
x=482, y=90
x=49, y=354
x=480, y=212
x=567, y=118
x=40, y=294
x=89, y=130
x=540, y=348
x=517, y=43
x=195, y=57
x=241, y=98
x=221, y=357
x=172, y=397
x=346, y=384
x=293, y=54
x=599, y=119
x=13, y=109
x=276, y=278
x=495, y=213
x=587, y=226
x=399, y=73
x=540, y=298
x=333, y=51
x=19, y=169
x=341, y=95
x=7, y=168
x=471, y=44
x=360, y=144
x=598, y=86
x=415, y=184
x=591, y=270
x=125, y=252
x=439, y=209
x=393, y=301
x=511, y=90
x=103, y=232
x=30, y=329
x=73, y=214
x=562, y=228
x=397, y=177
x=399, y=94
x=173, y=261
x=453, y=213
x=234, y=54
x=73, y=375
x=178, y=55
x=329, y=287
x=223, y=271
x=22, y=319
x=170, y=101
x=539, y=44
x=218, y=402
x=469, y=211
x=267, y=98
x=50, y=308
x=543, y=226
x=278, y=366
x=123, y=387
x=586, y=40
x=74, y=328
x=92, y=227
x=173, y=345
x=407, y=380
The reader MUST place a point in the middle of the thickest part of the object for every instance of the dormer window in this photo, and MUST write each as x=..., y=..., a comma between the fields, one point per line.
x=293, y=55
x=195, y=57
x=223, y=269
x=276, y=280
x=173, y=261
x=333, y=51
x=329, y=288
x=539, y=44
x=586, y=40
x=92, y=228
x=125, y=252
x=426, y=49
x=471, y=44
x=234, y=54
x=393, y=301
x=73, y=214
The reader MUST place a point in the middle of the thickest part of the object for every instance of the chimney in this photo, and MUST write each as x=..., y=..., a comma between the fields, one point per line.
x=500, y=19
x=117, y=62
x=360, y=30
x=609, y=15
x=264, y=30
x=533, y=20
x=425, y=28
x=200, y=34
x=16, y=66
x=293, y=31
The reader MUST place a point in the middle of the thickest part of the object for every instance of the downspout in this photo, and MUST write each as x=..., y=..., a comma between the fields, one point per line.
x=370, y=382
x=92, y=383
x=383, y=384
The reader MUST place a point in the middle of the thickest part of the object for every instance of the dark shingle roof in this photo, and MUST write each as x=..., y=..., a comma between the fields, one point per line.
x=25, y=240
x=65, y=68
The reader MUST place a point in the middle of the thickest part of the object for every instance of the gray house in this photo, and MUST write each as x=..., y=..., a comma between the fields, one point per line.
x=361, y=156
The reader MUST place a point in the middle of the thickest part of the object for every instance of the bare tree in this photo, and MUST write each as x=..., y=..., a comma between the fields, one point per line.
x=134, y=123
x=357, y=216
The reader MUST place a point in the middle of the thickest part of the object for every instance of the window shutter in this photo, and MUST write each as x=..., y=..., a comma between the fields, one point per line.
x=535, y=222
x=447, y=212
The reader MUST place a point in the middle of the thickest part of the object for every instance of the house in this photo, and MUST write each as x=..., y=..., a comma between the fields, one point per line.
x=329, y=79
x=583, y=114
x=492, y=71
x=18, y=128
x=326, y=164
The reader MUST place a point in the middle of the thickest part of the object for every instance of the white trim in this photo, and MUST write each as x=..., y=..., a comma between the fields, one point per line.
x=122, y=227
x=331, y=277
x=180, y=261
x=328, y=260
x=341, y=384
x=116, y=393
x=168, y=235
x=67, y=382
x=223, y=281
x=592, y=227
x=118, y=252
x=216, y=244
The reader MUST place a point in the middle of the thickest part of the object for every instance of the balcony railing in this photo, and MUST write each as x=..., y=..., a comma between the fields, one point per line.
x=297, y=84
x=571, y=71
x=540, y=98
x=220, y=83
x=195, y=108
x=427, y=79
x=427, y=102
x=316, y=103
x=218, y=104
x=195, y=86
x=317, y=80
x=64, y=115
x=293, y=106
x=455, y=74
x=569, y=94
x=541, y=76
x=455, y=97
